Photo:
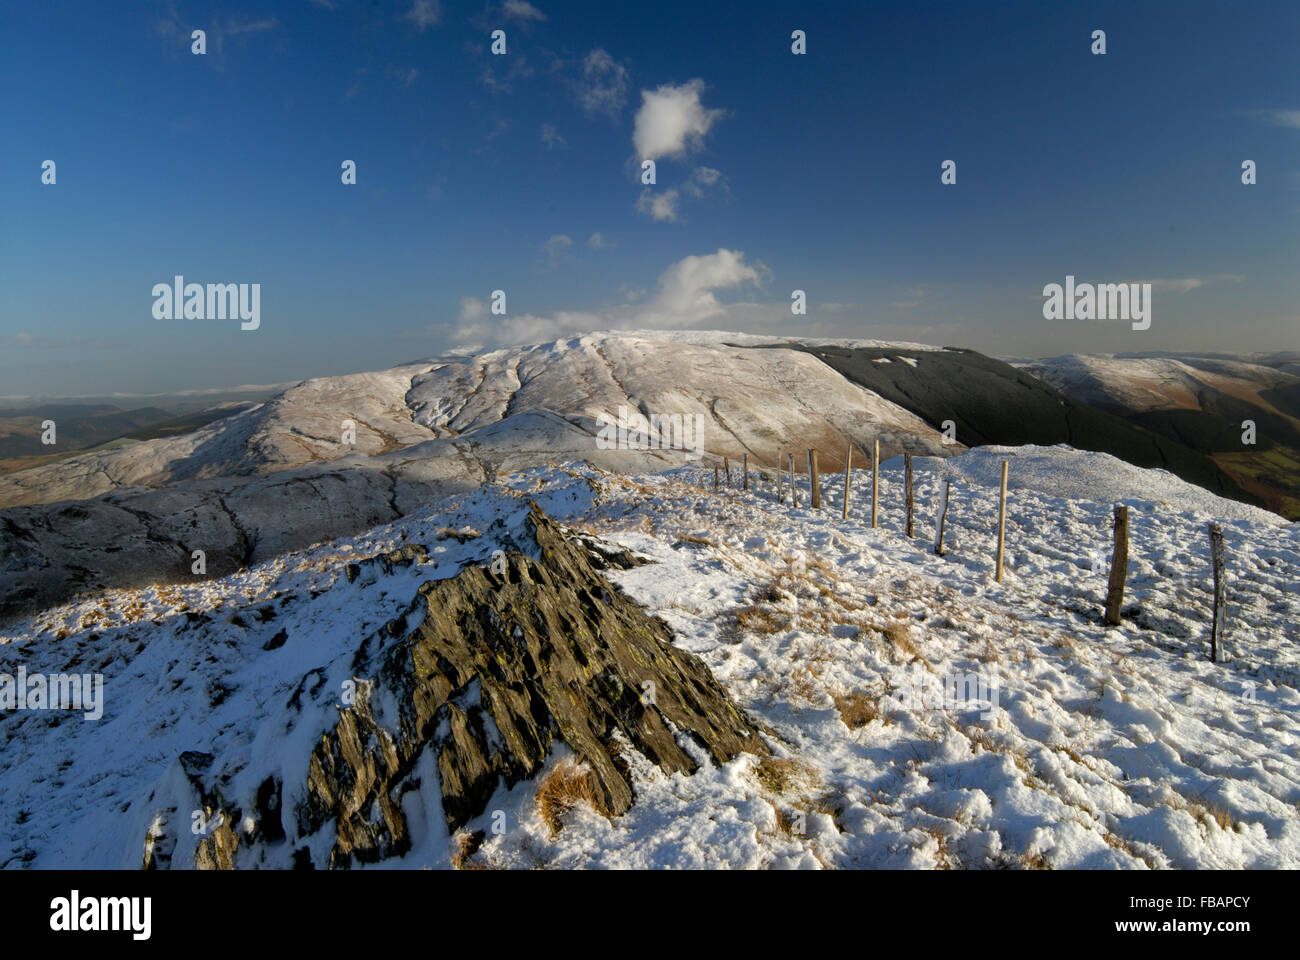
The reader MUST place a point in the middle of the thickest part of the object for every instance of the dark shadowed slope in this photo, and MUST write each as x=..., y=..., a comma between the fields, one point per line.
x=992, y=402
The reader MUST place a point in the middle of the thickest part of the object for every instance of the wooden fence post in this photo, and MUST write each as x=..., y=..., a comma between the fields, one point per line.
x=1118, y=568
x=778, y=475
x=1002, y=518
x=726, y=465
x=794, y=489
x=715, y=476
x=745, y=462
x=875, y=482
x=848, y=466
x=815, y=480
x=907, y=480
x=943, y=518
x=1220, y=591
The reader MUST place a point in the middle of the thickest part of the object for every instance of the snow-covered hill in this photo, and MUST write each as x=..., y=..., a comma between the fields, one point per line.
x=919, y=713
x=1141, y=384
x=753, y=401
x=279, y=476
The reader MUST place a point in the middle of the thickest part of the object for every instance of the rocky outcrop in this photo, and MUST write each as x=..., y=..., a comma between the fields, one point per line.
x=468, y=691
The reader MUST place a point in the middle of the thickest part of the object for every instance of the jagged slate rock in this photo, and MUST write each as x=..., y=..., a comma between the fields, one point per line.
x=497, y=668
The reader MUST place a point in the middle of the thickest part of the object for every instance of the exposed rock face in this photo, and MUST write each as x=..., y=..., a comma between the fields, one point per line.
x=500, y=661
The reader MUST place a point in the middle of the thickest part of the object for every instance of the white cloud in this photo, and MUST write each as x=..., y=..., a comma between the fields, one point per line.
x=424, y=13
x=685, y=297
x=597, y=241
x=672, y=121
x=472, y=310
x=551, y=137
x=603, y=87
x=522, y=10
x=686, y=289
x=659, y=206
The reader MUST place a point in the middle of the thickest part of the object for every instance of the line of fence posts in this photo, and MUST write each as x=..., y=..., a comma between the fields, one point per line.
x=1119, y=554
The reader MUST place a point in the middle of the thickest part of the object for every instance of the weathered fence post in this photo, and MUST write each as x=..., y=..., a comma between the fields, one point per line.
x=1220, y=591
x=907, y=481
x=815, y=480
x=848, y=466
x=778, y=475
x=1118, y=568
x=715, y=476
x=943, y=518
x=726, y=465
x=745, y=462
x=794, y=488
x=875, y=482
x=1002, y=518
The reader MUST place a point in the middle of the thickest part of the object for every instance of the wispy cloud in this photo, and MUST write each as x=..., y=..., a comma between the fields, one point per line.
x=522, y=10
x=659, y=206
x=424, y=14
x=551, y=137
x=602, y=88
x=253, y=26
x=1182, y=285
x=1279, y=118
x=665, y=206
x=554, y=249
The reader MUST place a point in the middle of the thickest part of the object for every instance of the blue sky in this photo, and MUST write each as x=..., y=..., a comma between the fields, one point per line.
x=521, y=172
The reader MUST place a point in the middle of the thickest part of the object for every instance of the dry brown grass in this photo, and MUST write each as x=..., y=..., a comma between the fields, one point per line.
x=691, y=538
x=899, y=634
x=568, y=785
x=1206, y=811
x=944, y=858
x=758, y=619
x=857, y=709
x=464, y=845
x=780, y=774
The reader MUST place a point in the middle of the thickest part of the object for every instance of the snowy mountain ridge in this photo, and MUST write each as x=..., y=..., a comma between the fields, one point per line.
x=1104, y=747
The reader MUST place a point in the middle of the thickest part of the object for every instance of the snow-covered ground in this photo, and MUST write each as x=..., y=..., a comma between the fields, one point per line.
x=1064, y=743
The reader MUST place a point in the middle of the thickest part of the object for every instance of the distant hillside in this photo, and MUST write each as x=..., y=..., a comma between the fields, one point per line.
x=78, y=426
x=993, y=402
x=1201, y=402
